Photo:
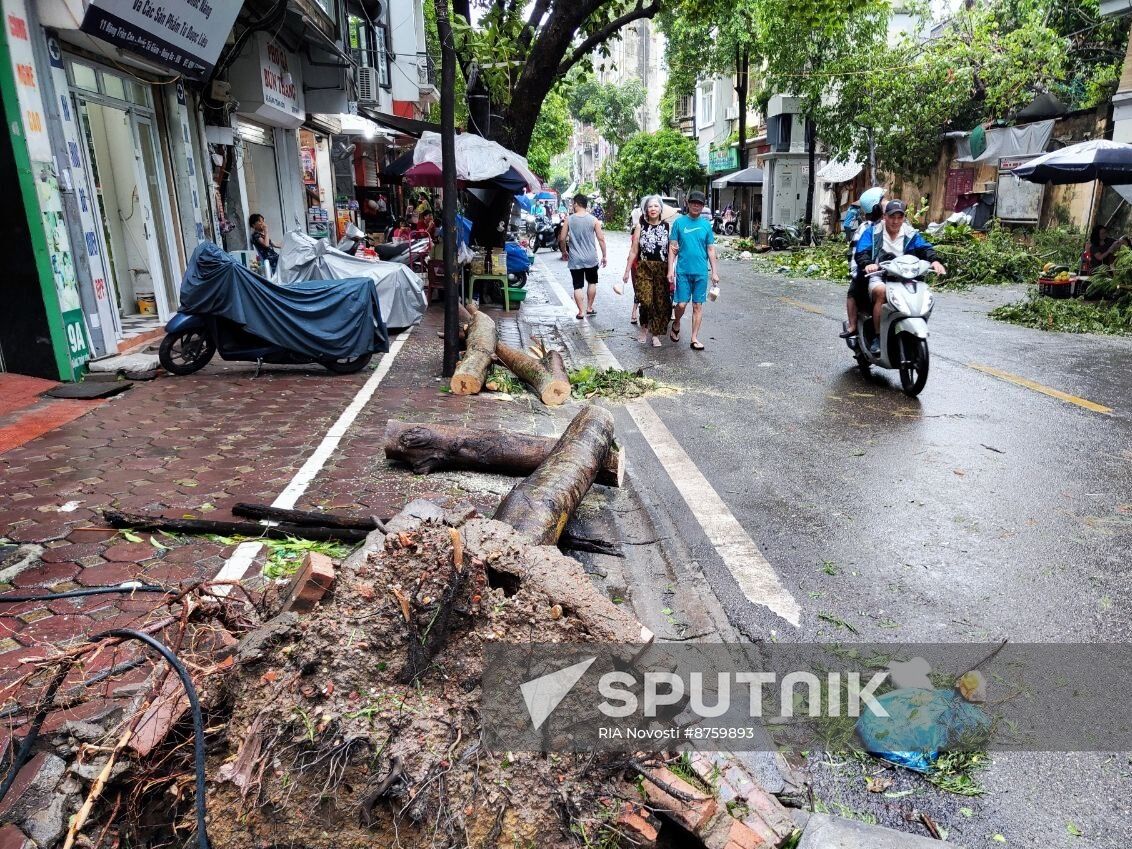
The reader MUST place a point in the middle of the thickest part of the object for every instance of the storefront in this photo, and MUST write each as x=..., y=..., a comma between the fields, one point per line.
x=260, y=153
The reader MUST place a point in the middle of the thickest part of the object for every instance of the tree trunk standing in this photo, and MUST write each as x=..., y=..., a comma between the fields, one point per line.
x=742, y=87
x=539, y=506
x=448, y=152
x=811, y=182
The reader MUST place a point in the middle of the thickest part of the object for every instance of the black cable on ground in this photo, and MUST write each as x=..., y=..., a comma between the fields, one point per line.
x=45, y=706
x=117, y=669
x=194, y=706
x=128, y=587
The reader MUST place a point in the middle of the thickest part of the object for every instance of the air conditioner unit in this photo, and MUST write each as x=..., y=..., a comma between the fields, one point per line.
x=369, y=84
x=732, y=113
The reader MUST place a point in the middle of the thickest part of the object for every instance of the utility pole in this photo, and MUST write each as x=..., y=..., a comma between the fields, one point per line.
x=448, y=152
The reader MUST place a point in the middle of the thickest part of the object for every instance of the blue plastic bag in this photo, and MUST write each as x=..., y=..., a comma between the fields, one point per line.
x=920, y=724
x=519, y=258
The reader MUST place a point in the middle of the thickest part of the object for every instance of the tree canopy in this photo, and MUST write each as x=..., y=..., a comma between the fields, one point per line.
x=551, y=134
x=611, y=109
x=650, y=163
x=519, y=51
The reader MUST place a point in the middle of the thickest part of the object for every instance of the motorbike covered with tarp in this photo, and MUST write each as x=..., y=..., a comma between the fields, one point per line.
x=400, y=290
x=227, y=309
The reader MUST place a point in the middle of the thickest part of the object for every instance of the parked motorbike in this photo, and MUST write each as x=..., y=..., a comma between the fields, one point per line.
x=352, y=239
x=227, y=309
x=723, y=227
x=903, y=326
x=546, y=234
x=783, y=237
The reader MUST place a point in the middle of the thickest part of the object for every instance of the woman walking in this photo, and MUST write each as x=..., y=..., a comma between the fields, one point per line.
x=650, y=251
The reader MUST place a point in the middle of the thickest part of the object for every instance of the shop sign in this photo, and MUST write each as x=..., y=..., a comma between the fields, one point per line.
x=27, y=86
x=268, y=83
x=185, y=35
x=723, y=159
x=63, y=270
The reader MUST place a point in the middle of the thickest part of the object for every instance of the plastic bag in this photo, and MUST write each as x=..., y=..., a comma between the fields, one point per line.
x=920, y=724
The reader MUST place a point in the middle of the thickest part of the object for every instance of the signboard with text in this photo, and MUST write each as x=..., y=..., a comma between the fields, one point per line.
x=184, y=35
x=268, y=83
x=723, y=159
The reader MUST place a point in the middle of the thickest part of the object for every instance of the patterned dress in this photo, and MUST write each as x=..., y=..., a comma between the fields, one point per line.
x=652, y=278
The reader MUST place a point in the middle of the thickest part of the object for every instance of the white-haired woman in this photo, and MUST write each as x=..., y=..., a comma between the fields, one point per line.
x=650, y=251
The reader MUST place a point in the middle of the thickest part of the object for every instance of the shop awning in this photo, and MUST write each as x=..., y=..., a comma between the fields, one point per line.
x=839, y=171
x=406, y=126
x=746, y=177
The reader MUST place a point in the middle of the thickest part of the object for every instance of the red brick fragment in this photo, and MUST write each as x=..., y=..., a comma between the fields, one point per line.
x=637, y=824
x=311, y=583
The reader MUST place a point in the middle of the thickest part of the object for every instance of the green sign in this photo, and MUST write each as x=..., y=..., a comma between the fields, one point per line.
x=723, y=159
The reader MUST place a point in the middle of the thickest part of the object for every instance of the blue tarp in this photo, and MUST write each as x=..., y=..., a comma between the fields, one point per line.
x=920, y=724
x=525, y=203
x=333, y=319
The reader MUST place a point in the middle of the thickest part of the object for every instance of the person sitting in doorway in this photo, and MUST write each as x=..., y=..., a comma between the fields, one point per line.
x=265, y=249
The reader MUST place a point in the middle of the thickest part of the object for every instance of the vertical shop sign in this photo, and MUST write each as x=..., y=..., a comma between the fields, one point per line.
x=190, y=165
x=74, y=165
x=50, y=207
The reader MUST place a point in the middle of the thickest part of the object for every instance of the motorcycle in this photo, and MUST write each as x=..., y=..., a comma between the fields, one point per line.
x=546, y=234
x=352, y=239
x=724, y=227
x=783, y=237
x=227, y=309
x=903, y=326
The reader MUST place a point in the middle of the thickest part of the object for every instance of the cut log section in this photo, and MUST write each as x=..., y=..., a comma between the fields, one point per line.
x=472, y=369
x=307, y=518
x=551, y=389
x=539, y=506
x=428, y=448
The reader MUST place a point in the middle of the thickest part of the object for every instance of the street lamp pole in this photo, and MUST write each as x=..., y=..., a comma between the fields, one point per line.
x=448, y=154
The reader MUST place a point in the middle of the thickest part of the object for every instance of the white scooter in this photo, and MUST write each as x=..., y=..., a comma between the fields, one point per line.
x=903, y=324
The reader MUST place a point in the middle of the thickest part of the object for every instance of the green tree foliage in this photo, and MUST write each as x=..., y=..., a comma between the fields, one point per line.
x=990, y=60
x=520, y=51
x=551, y=134
x=609, y=108
x=650, y=163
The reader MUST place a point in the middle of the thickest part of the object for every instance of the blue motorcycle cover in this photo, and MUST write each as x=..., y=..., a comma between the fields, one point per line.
x=321, y=319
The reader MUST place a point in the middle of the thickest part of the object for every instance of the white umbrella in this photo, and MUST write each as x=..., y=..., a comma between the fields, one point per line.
x=477, y=158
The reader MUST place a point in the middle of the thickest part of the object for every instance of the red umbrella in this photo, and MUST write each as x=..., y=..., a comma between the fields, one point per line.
x=427, y=174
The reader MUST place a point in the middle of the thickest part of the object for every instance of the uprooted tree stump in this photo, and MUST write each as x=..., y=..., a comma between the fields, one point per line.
x=539, y=506
x=551, y=386
x=428, y=448
x=471, y=372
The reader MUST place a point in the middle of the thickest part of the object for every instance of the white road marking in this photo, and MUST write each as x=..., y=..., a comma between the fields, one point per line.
x=751, y=571
x=236, y=566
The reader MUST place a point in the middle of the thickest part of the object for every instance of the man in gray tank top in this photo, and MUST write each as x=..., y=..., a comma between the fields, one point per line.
x=581, y=234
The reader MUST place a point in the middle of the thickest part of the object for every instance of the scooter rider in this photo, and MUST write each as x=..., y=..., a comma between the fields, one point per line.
x=872, y=207
x=889, y=239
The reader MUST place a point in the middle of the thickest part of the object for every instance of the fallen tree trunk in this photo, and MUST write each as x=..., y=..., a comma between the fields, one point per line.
x=471, y=372
x=428, y=448
x=551, y=389
x=138, y=522
x=539, y=506
x=307, y=518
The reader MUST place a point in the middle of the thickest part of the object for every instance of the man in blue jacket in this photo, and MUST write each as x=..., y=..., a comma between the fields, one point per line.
x=887, y=240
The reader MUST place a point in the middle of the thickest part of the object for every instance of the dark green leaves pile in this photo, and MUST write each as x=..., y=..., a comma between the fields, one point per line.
x=1068, y=315
x=590, y=382
x=1002, y=257
x=827, y=262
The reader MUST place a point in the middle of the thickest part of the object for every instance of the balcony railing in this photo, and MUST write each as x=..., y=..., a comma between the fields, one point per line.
x=426, y=70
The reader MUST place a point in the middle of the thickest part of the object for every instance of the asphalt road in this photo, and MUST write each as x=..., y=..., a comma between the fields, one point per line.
x=985, y=509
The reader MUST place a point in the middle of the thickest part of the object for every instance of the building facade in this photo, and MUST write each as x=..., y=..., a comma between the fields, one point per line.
x=136, y=131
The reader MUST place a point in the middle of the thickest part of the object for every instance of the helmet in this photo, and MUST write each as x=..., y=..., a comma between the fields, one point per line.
x=871, y=198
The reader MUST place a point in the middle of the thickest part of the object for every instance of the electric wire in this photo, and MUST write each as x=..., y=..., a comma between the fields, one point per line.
x=127, y=587
x=45, y=707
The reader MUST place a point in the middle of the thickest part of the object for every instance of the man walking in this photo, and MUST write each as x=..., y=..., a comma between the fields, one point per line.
x=691, y=255
x=581, y=234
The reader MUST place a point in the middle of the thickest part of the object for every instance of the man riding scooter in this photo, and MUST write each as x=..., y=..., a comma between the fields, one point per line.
x=886, y=240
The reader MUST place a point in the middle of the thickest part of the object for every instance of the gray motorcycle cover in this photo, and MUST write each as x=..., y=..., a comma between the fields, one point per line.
x=400, y=290
x=322, y=319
